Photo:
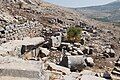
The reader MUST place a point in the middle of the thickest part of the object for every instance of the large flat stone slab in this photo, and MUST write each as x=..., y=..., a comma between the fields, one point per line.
x=15, y=78
x=15, y=67
x=19, y=73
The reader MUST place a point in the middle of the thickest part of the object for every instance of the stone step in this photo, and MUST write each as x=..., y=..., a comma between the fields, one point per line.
x=15, y=67
x=19, y=73
x=15, y=78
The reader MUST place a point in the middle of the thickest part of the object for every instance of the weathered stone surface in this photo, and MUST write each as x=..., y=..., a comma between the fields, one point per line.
x=72, y=76
x=16, y=45
x=80, y=52
x=89, y=61
x=15, y=78
x=109, y=53
x=15, y=67
x=54, y=67
x=56, y=40
x=67, y=53
x=74, y=52
x=90, y=77
x=45, y=51
x=28, y=21
x=73, y=62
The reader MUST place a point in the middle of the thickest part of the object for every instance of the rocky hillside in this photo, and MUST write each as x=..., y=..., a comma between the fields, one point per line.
x=22, y=18
x=20, y=14
x=33, y=37
x=36, y=10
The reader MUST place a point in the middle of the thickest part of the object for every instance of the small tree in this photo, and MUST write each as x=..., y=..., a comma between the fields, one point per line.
x=74, y=34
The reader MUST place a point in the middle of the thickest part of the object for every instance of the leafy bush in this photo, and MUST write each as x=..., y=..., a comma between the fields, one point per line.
x=74, y=34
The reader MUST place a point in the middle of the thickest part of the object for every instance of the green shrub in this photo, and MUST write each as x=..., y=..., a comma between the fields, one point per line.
x=74, y=34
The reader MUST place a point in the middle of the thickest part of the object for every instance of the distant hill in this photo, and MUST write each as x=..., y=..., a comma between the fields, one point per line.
x=107, y=13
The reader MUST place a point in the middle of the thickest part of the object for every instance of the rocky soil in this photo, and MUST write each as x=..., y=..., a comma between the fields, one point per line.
x=15, y=21
x=28, y=18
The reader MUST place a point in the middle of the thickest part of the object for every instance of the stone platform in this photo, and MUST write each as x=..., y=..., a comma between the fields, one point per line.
x=18, y=69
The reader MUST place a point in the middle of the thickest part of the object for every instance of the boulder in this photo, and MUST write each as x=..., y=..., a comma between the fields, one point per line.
x=88, y=50
x=85, y=34
x=56, y=40
x=1, y=29
x=118, y=42
x=27, y=56
x=45, y=51
x=74, y=52
x=82, y=41
x=3, y=52
x=19, y=68
x=110, y=52
x=80, y=51
x=69, y=48
x=106, y=55
x=52, y=75
x=72, y=76
x=77, y=44
x=67, y=54
x=60, y=21
x=75, y=48
x=53, y=48
x=89, y=61
x=47, y=44
x=73, y=62
x=85, y=51
x=54, y=67
x=87, y=72
x=107, y=50
x=65, y=44
x=90, y=77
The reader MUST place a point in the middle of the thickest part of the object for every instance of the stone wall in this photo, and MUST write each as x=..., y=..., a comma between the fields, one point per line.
x=18, y=31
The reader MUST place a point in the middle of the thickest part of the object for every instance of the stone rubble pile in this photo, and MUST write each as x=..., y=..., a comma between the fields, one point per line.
x=35, y=47
x=116, y=70
x=18, y=32
x=60, y=59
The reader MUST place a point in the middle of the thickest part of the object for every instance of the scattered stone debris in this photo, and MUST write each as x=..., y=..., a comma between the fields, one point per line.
x=115, y=71
x=89, y=77
x=54, y=67
x=76, y=62
x=34, y=45
x=60, y=58
x=109, y=53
